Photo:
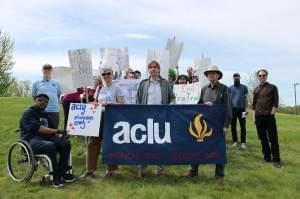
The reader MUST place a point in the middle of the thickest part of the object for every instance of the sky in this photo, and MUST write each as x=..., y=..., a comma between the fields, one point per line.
x=239, y=36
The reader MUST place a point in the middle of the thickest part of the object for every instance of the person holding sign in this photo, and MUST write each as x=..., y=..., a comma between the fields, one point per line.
x=44, y=138
x=214, y=93
x=154, y=90
x=182, y=79
x=108, y=94
x=94, y=143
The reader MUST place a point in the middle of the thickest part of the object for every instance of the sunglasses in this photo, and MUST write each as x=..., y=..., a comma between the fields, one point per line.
x=104, y=74
x=262, y=75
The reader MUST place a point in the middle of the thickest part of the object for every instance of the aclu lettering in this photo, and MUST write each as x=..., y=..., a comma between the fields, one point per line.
x=147, y=134
x=77, y=106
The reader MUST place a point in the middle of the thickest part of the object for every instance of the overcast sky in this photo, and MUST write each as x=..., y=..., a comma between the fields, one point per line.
x=239, y=36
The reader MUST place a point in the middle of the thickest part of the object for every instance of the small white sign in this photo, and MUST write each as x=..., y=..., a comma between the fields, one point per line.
x=187, y=93
x=82, y=70
x=84, y=119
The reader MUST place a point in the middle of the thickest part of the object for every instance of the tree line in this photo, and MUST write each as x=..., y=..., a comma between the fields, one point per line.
x=10, y=86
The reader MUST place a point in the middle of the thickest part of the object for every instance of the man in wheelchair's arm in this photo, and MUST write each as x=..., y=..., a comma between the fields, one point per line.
x=36, y=129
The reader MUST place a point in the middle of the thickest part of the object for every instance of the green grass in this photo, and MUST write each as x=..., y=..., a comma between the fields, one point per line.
x=246, y=175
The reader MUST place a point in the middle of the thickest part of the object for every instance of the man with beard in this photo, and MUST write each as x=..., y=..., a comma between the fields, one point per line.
x=238, y=98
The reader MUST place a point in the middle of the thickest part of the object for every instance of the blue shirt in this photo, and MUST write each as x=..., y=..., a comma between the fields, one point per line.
x=238, y=96
x=52, y=89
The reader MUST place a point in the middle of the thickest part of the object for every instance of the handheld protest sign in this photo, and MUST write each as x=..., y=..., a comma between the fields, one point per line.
x=82, y=70
x=84, y=119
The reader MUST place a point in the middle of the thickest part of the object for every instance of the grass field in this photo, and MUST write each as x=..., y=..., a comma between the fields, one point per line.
x=246, y=174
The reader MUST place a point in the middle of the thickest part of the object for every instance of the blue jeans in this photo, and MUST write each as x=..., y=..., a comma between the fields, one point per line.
x=219, y=171
x=50, y=147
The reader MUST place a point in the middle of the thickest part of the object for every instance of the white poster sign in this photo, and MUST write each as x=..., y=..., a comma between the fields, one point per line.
x=116, y=58
x=82, y=70
x=129, y=88
x=175, y=49
x=200, y=65
x=63, y=75
x=187, y=93
x=84, y=119
x=163, y=58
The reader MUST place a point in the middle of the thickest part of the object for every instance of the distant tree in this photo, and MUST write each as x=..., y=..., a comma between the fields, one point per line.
x=6, y=62
x=252, y=83
x=20, y=88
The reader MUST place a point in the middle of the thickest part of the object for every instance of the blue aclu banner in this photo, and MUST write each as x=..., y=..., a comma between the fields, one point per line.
x=164, y=134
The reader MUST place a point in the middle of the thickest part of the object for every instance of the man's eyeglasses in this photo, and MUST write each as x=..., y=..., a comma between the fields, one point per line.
x=104, y=74
x=263, y=75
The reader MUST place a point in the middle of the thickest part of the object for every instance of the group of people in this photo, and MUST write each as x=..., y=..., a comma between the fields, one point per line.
x=175, y=78
x=39, y=124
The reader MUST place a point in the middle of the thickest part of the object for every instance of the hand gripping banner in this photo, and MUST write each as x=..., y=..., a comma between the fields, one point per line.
x=164, y=134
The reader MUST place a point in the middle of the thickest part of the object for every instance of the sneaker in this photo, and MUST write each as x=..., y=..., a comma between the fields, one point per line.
x=191, y=174
x=234, y=144
x=57, y=183
x=277, y=164
x=86, y=174
x=243, y=146
x=69, y=178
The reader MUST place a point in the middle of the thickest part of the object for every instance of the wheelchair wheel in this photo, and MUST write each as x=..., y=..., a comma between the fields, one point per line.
x=20, y=161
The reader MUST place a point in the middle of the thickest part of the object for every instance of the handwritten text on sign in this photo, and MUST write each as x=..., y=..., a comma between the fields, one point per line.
x=187, y=93
x=84, y=119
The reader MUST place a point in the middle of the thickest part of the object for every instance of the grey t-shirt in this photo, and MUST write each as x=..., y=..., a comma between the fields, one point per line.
x=110, y=94
x=238, y=98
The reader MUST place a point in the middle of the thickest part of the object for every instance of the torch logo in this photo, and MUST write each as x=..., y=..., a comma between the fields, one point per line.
x=198, y=128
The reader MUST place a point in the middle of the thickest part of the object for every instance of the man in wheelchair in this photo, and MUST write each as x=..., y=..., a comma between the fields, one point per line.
x=37, y=130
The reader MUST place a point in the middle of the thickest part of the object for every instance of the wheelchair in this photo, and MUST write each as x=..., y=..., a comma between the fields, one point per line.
x=22, y=163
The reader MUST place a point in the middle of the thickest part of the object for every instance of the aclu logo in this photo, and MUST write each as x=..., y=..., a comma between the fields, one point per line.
x=139, y=133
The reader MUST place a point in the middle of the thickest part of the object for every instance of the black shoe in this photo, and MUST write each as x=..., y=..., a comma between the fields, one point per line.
x=57, y=183
x=267, y=160
x=277, y=164
x=69, y=178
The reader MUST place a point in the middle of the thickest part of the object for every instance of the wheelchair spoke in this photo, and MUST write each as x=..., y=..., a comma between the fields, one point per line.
x=20, y=162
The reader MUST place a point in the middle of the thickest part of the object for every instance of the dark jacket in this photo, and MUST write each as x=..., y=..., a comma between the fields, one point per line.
x=31, y=121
